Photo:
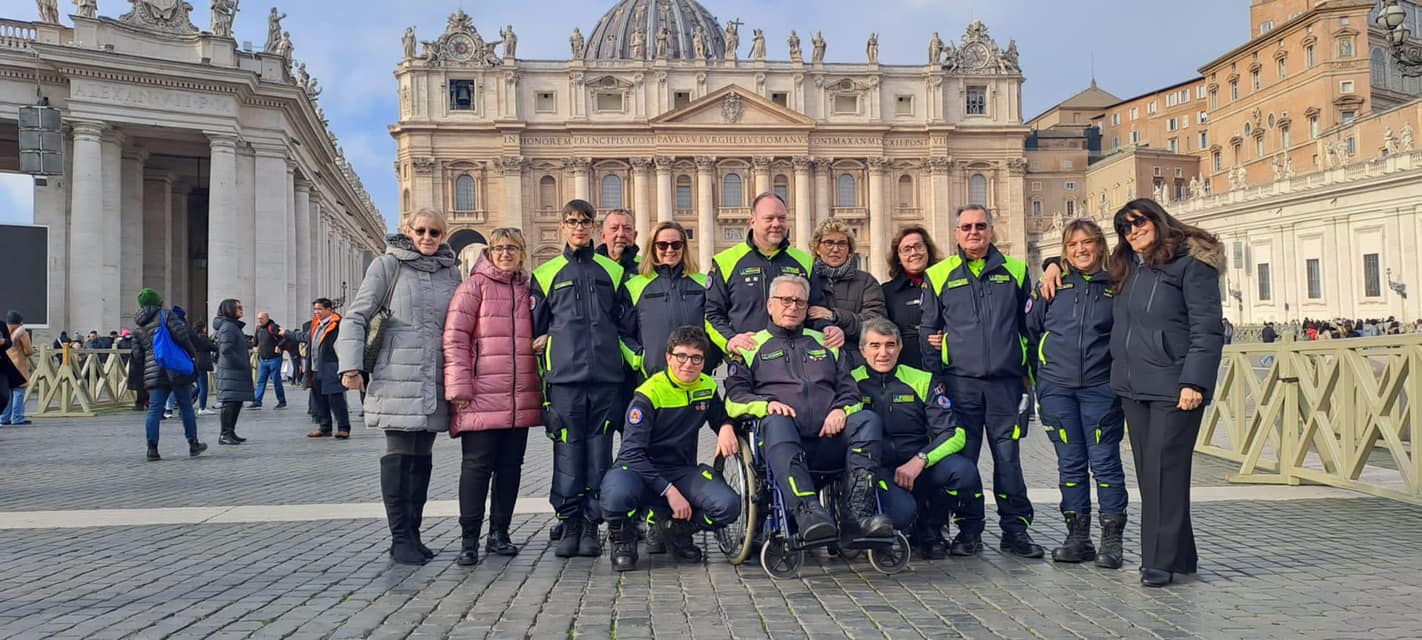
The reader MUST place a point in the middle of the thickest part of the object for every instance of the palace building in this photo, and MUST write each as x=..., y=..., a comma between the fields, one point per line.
x=667, y=111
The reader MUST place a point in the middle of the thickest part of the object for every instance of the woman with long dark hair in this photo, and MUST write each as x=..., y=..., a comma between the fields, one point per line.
x=910, y=254
x=233, y=367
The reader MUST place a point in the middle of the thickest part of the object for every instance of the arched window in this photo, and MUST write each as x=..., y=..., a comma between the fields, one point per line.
x=683, y=193
x=611, y=192
x=547, y=193
x=845, y=195
x=405, y=200
x=780, y=185
x=464, y=193
x=731, y=195
x=977, y=190
x=905, y=192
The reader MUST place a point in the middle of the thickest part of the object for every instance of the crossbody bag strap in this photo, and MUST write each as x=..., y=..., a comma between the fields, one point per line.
x=394, y=278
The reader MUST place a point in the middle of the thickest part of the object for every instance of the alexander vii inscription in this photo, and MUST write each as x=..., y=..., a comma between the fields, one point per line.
x=154, y=98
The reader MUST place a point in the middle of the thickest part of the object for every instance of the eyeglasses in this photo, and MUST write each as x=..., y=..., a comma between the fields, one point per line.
x=504, y=248
x=580, y=223
x=791, y=301
x=913, y=248
x=433, y=233
x=674, y=245
x=1138, y=223
x=969, y=227
x=834, y=244
x=693, y=358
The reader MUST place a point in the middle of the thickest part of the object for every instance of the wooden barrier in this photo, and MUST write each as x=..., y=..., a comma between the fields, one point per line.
x=77, y=382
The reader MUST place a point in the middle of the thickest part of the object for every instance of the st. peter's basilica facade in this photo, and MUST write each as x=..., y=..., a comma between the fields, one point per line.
x=667, y=111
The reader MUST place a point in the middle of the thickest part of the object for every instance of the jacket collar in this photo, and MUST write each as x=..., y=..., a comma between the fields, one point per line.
x=584, y=254
x=628, y=259
x=992, y=260
x=672, y=271
x=677, y=383
x=781, y=332
x=875, y=376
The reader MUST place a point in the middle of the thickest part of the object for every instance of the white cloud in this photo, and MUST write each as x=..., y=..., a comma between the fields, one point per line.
x=17, y=198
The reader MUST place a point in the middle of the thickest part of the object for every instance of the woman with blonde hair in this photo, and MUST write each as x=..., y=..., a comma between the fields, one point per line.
x=852, y=295
x=491, y=381
x=668, y=292
x=405, y=398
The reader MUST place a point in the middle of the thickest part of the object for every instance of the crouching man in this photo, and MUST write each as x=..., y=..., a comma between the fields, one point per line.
x=924, y=471
x=656, y=468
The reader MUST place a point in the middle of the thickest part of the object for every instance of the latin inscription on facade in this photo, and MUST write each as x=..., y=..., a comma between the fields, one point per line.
x=154, y=98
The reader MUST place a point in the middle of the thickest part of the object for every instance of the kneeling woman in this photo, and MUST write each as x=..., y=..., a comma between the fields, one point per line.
x=491, y=381
x=1082, y=415
x=656, y=467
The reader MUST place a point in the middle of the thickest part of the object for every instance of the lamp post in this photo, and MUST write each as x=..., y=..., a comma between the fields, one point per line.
x=1400, y=288
x=1408, y=54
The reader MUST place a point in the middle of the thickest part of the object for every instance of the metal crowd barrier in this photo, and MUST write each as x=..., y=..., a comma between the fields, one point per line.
x=72, y=382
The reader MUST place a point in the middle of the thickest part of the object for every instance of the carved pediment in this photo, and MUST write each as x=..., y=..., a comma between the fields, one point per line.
x=609, y=83
x=733, y=106
x=844, y=85
x=1348, y=101
x=1311, y=112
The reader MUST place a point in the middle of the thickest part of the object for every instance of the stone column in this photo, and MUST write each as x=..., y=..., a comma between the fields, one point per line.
x=178, y=248
x=512, y=169
x=111, y=298
x=822, y=189
x=270, y=245
x=880, y=219
x=761, y=167
x=224, y=228
x=86, y=229
x=705, y=210
x=666, y=194
x=52, y=210
x=804, y=218
x=245, y=212
x=302, y=237
x=157, y=231
x=641, y=202
x=290, y=274
x=314, y=242
x=939, y=221
x=580, y=168
x=131, y=226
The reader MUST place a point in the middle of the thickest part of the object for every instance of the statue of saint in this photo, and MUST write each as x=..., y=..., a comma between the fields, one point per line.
x=48, y=11
x=663, y=42
x=758, y=45
x=273, y=30
x=698, y=43
x=576, y=40
x=935, y=49
x=872, y=48
x=818, y=52
x=86, y=8
x=638, y=44
x=794, y=42
x=409, y=42
x=1389, y=141
x=1407, y=137
x=284, y=47
x=223, y=11
x=1009, y=57
x=510, y=42
x=733, y=39
x=1195, y=188
x=303, y=79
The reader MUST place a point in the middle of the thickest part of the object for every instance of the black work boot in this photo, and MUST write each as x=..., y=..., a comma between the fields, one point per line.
x=394, y=478
x=196, y=447
x=555, y=532
x=499, y=543
x=568, y=542
x=419, y=488
x=679, y=539
x=814, y=522
x=622, y=535
x=1019, y=543
x=588, y=544
x=655, y=544
x=966, y=544
x=929, y=540
x=860, y=501
x=227, y=437
x=1078, y=547
x=1112, y=524
x=153, y=453
x=469, y=541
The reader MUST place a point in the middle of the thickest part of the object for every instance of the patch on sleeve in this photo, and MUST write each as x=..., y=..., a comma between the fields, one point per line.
x=1028, y=308
x=731, y=370
x=944, y=402
x=532, y=302
x=634, y=416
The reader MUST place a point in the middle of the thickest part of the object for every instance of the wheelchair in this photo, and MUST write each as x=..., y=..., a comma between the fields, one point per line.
x=765, y=522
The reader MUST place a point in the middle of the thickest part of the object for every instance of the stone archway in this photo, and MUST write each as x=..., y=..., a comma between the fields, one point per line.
x=467, y=245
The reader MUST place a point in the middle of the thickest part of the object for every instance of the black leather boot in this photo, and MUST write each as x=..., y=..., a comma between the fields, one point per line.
x=1019, y=543
x=656, y=545
x=468, y=541
x=499, y=543
x=1112, y=524
x=394, y=489
x=679, y=538
x=860, y=501
x=1078, y=547
x=196, y=447
x=153, y=453
x=568, y=541
x=588, y=544
x=622, y=535
x=420, y=469
x=966, y=544
x=814, y=522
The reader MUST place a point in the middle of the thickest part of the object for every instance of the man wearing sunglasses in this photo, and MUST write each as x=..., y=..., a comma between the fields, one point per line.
x=580, y=317
x=975, y=306
x=656, y=468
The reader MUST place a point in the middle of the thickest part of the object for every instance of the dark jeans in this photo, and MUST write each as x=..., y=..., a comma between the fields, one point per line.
x=793, y=459
x=1163, y=444
x=578, y=417
x=228, y=419
x=329, y=406
x=157, y=397
x=950, y=488
x=988, y=407
x=713, y=502
x=495, y=455
x=1086, y=426
x=269, y=368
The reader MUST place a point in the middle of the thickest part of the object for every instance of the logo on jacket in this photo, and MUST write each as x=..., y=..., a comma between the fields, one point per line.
x=1028, y=308
x=944, y=402
x=634, y=416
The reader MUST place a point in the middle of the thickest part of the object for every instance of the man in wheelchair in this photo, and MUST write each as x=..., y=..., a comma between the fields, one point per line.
x=810, y=415
x=923, y=472
x=656, y=467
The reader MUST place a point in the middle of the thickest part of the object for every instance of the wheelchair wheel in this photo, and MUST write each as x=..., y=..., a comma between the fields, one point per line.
x=892, y=558
x=737, y=539
x=779, y=560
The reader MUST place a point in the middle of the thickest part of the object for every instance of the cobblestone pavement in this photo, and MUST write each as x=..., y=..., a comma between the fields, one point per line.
x=1319, y=568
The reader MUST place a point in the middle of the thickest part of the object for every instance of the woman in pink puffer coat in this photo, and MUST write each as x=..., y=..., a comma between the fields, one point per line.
x=491, y=381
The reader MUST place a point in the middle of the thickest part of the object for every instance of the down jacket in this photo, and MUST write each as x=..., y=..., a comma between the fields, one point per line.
x=155, y=376
x=406, y=389
x=1168, y=332
x=234, y=364
x=488, y=352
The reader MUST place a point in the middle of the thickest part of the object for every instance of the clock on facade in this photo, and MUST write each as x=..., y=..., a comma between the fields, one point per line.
x=459, y=47
x=975, y=55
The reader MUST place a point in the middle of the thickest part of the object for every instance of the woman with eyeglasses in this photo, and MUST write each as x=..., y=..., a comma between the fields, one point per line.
x=910, y=254
x=1070, y=339
x=668, y=292
x=233, y=367
x=851, y=293
x=491, y=382
x=405, y=398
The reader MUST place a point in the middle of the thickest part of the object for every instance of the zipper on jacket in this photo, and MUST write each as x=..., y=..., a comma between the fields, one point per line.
x=1079, y=310
x=1130, y=317
x=513, y=391
x=1155, y=283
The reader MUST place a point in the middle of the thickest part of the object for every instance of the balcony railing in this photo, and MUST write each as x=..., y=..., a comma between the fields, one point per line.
x=912, y=213
x=726, y=214
x=849, y=213
x=469, y=217
x=15, y=34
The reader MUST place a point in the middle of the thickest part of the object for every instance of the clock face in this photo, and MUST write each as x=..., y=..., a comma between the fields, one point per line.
x=975, y=55
x=460, y=47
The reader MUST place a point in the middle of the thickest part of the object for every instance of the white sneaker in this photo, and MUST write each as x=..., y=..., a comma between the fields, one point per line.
x=167, y=415
x=205, y=412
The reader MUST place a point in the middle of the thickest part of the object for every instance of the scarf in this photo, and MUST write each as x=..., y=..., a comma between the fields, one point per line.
x=842, y=272
x=400, y=246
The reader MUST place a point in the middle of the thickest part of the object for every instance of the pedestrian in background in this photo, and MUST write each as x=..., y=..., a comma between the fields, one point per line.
x=206, y=351
x=10, y=377
x=19, y=352
x=328, y=395
x=233, y=368
x=405, y=399
x=270, y=338
x=161, y=381
x=491, y=382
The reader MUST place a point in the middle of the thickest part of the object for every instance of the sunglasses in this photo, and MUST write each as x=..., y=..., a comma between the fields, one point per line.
x=432, y=233
x=674, y=245
x=969, y=227
x=683, y=358
x=1126, y=225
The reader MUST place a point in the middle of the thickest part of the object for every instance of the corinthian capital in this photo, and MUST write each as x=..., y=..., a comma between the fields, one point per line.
x=761, y=163
x=577, y=165
x=706, y=163
x=641, y=165
x=877, y=164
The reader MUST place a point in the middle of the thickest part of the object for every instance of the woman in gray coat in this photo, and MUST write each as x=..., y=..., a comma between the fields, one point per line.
x=233, y=368
x=405, y=397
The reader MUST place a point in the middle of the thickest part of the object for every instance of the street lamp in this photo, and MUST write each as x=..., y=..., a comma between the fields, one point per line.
x=1408, y=55
x=1400, y=288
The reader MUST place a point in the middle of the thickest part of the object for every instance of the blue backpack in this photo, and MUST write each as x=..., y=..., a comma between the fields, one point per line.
x=166, y=351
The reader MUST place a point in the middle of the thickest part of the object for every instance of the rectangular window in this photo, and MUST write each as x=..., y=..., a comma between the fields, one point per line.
x=1238, y=254
x=1314, y=271
x=1115, y=119
x=1067, y=165
x=1135, y=113
x=1150, y=108
x=683, y=196
x=1202, y=117
x=1372, y=276
x=1254, y=79
x=1069, y=185
x=1173, y=145
x=1308, y=57
x=1214, y=99
x=609, y=101
x=846, y=104
x=681, y=99
x=1170, y=100
x=1283, y=70
x=1351, y=144
x=1115, y=142
x=1266, y=27
x=545, y=102
x=1219, y=162
x=1233, y=89
x=1265, y=290
x=903, y=105
x=1070, y=208
x=781, y=98
x=1179, y=173
x=1259, y=146
x=1345, y=86
x=1135, y=137
x=1204, y=139
x=1036, y=208
x=1284, y=138
x=1313, y=127
x=1172, y=124
x=461, y=95
x=977, y=100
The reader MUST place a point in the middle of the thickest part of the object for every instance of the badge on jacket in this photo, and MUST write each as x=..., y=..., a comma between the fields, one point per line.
x=634, y=416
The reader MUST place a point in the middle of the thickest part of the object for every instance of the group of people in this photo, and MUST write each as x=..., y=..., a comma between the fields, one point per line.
x=1344, y=328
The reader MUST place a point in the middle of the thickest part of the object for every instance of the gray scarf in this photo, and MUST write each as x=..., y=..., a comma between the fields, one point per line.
x=835, y=274
x=400, y=246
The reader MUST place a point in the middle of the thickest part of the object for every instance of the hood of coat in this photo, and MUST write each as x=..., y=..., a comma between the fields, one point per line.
x=400, y=246
x=147, y=316
x=1210, y=253
x=219, y=321
x=485, y=267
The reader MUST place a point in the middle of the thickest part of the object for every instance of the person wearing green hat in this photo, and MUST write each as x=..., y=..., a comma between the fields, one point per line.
x=159, y=381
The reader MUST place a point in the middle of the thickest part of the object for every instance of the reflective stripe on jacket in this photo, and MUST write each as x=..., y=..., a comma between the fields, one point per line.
x=982, y=316
x=1069, y=337
x=662, y=424
x=580, y=304
x=795, y=367
x=917, y=415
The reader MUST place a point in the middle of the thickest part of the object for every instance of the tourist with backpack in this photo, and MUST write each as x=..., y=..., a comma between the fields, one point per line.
x=165, y=347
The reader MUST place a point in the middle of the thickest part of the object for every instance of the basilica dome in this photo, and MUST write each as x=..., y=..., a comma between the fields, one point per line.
x=616, y=37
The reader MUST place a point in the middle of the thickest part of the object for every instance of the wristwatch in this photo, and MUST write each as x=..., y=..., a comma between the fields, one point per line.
x=921, y=456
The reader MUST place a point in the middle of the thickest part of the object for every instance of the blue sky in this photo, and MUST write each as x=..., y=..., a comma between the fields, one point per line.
x=353, y=46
